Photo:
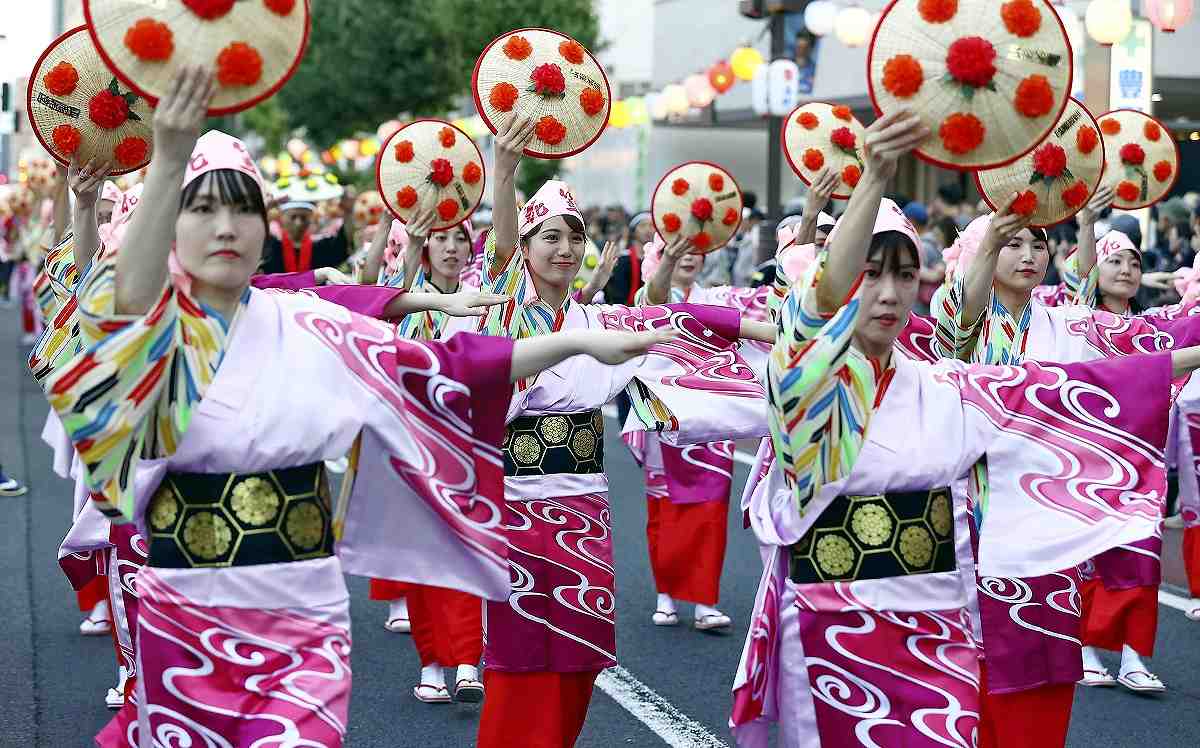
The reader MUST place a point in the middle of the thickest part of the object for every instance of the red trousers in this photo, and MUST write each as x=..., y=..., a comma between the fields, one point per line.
x=447, y=625
x=1114, y=618
x=388, y=589
x=534, y=710
x=92, y=593
x=687, y=548
x=1191, y=558
x=1036, y=718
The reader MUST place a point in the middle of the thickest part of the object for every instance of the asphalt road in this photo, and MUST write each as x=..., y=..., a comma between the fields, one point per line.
x=54, y=680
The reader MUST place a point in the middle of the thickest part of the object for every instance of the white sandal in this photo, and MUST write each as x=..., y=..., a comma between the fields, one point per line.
x=665, y=618
x=114, y=699
x=468, y=691
x=439, y=694
x=713, y=622
x=95, y=627
x=1097, y=678
x=1141, y=681
x=398, y=625
x=1193, y=614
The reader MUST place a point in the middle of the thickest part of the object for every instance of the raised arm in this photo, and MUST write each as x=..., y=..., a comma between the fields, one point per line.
x=85, y=181
x=373, y=262
x=658, y=289
x=977, y=284
x=509, y=145
x=62, y=207
x=142, y=259
x=819, y=194
x=1085, y=251
x=418, y=231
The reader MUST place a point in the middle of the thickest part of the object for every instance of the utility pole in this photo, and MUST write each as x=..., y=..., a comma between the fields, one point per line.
x=774, y=205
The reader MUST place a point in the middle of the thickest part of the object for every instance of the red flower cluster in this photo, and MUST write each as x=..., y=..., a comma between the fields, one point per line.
x=592, y=101
x=472, y=173
x=1075, y=195
x=937, y=11
x=1021, y=18
x=971, y=61
x=517, y=47
x=209, y=9
x=446, y=137
x=1086, y=140
x=1025, y=204
x=131, y=151
x=404, y=151
x=406, y=198
x=961, y=133
x=108, y=110
x=548, y=80
x=702, y=209
x=280, y=7
x=239, y=64
x=441, y=172
x=851, y=174
x=1035, y=97
x=1110, y=126
x=813, y=159
x=503, y=96
x=671, y=223
x=903, y=76
x=66, y=139
x=550, y=131
x=1153, y=132
x=702, y=241
x=1050, y=161
x=447, y=209
x=1132, y=154
x=571, y=51
x=843, y=138
x=731, y=217
x=1128, y=192
x=716, y=182
x=680, y=186
x=808, y=120
x=1163, y=171
x=843, y=112
x=150, y=40
x=62, y=79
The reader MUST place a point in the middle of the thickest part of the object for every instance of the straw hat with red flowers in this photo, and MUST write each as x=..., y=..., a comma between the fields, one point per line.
x=818, y=135
x=430, y=164
x=1143, y=158
x=699, y=200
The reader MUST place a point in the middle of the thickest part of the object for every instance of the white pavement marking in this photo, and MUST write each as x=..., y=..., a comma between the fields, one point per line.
x=610, y=411
x=1177, y=602
x=673, y=726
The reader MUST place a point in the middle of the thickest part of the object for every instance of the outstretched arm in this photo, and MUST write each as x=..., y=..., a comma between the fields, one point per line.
x=536, y=354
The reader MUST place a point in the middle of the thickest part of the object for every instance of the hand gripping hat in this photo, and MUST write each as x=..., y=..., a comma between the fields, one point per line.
x=1143, y=158
x=818, y=135
x=699, y=200
x=430, y=164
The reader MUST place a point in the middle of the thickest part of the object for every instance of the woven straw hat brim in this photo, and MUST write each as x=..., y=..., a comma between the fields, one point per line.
x=697, y=175
x=997, y=185
x=279, y=41
x=48, y=111
x=495, y=67
x=1009, y=134
x=394, y=175
x=1133, y=130
x=798, y=139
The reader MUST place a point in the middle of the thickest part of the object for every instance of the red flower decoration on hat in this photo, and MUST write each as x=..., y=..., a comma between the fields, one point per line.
x=1021, y=18
x=61, y=79
x=671, y=223
x=1153, y=131
x=1035, y=97
x=1163, y=170
x=404, y=151
x=472, y=173
x=1025, y=204
x=716, y=182
x=441, y=172
x=446, y=137
x=1050, y=162
x=406, y=198
x=813, y=159
x=851, y=174
x=1132, y=154
x=571, y=51
x=503, y=96
x=843, y=138
x=239, y=64
x=1128, y=192
x=702, y=209
x=447, y=209
x=843, y=113
x=808, y=120
x=1086, y=140
x=731, y=216
x=680, y=187
x=517, y=47
x=961, y=133
x=1110, y=126
x=280, y=7
x=548, y=80
x=592, y=101
x=150, y=40
x=131, y=151
x=1075, y=195
x=937, y=11
x=550, y=131
x=108, y=110
x=702, y=241
x=903, y=76
x=66, y=139
x=209, y=9
x=971, y=61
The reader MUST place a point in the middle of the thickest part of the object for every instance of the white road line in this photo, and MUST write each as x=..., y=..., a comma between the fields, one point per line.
x=610, y=411
x=673, y=726
x=1176, y=602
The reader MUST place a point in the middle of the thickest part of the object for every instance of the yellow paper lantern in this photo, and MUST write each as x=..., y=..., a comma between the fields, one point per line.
x=369, y=147
x=1108, y=21
x=618, y=116
x=744, y=61
x=676, y=99
x=853, y=26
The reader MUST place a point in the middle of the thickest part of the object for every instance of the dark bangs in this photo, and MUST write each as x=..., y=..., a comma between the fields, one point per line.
x=573, y=223
x=1040, y=235
x=232, y=188
x=889, y=247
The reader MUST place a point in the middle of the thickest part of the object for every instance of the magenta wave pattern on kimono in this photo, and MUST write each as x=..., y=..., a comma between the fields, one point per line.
x=563, y=584
x=293, y=669
x=1030, y=630
x=1127, y=566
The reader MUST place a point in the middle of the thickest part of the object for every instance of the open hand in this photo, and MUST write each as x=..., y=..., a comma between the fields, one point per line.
x=890, y=137
x=87, y=179
x=511, y=143
x=470, y=303
x=418, y=228
x=616, y=347
x=180, y=113
x=676, y=249
x=1101, y=200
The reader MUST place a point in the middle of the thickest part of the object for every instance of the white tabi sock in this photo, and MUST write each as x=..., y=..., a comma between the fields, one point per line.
x=665, y=603
x=466, y=672
x=1131, y=660
x=432, y=675
x=398, y=609
x=1091, y=659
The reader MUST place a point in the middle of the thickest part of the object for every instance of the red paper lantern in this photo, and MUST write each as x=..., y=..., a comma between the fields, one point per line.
x=1168, y=15
x=721, y=77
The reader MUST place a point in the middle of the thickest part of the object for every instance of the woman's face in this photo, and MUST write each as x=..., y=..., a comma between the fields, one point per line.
x=555, y=252
x=218, y=244
x=890, y=284
x=1121, y=275
x=686, y=270
x=449, y=252
x=1022, y=263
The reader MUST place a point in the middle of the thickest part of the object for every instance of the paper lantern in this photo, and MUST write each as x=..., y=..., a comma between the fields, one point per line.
x=820, y=17
x=639, y=114
x=783, y=86
x=676, y=99
x=384, y=131
x=350, y=149
x=760, y=91
x=1108, y=21
x=1167, y=15
x=720, y=77
x=853, y=26
x=700, y=94
x=296, y=146
x=658, y=106
x=618, y=116
x=744, y=61
x=369, y=146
